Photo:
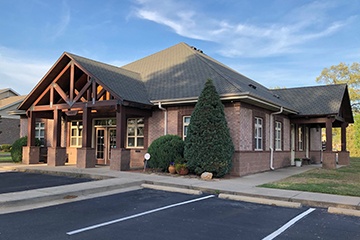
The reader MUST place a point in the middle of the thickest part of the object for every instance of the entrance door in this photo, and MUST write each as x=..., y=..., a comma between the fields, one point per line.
x=105, y=141
x=292, y=144
x=111, y=142
x=100, y=146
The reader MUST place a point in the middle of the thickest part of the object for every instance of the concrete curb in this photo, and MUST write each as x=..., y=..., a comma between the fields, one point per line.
x=171, y=189
x=61, y=192
x=344, y=211
x=261, y=200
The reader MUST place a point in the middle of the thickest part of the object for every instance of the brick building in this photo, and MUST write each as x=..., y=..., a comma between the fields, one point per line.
x=94, y=113
x=9, y=123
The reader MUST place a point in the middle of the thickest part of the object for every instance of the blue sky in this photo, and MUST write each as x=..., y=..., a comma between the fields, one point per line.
x=279, y=43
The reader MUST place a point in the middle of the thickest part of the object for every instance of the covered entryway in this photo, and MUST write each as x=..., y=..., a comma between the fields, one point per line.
x=86, y=104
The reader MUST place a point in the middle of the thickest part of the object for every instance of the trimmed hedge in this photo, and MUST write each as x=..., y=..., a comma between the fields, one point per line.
x=164, y=150
x=5, y=147
x=17, y=146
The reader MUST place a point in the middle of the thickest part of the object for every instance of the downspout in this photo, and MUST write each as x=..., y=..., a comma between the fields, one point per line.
x=272, y=137
x=165, y=118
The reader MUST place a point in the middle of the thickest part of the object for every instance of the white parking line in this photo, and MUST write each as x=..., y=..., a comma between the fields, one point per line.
x=137, y=215
x=288, y=224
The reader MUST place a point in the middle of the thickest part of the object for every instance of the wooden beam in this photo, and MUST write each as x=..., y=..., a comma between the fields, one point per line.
x=100, y=94
x=329, y=134
x=86, y=137
x=308, y=120
x=56, y=140
x=51, y=96
x=31, y=129
x=82, y=91
x=61, y=93
x=72, y=82
x=77, y=93
x=94, y=92
x=100, y=104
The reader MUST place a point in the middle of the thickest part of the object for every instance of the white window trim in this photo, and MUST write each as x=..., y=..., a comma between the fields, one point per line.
x=77, y=135
x=278, y=137
x=38, y=127
x=185, y=124
x=136, y=137
x=301, y=137
x=258, y=133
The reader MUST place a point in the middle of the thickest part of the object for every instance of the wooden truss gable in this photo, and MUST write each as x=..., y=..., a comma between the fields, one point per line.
x=73, y=88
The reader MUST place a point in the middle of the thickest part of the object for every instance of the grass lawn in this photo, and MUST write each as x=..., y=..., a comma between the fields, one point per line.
x=5, y=157
x=341, y=181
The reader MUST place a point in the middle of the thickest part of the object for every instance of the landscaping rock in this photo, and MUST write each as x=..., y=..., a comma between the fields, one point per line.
x=206, y=176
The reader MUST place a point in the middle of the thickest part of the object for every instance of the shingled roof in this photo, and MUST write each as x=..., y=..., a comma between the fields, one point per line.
x=180, y=72
x=317, y=100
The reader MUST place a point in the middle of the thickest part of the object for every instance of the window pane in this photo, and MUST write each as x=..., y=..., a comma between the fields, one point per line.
x=140, y=142
x=131, y=131
x=131, y=142
x=140, y=131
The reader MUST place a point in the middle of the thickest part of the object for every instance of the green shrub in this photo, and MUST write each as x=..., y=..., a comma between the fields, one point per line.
x=164, y=150
x=5, y=147
x=17, y=146
x=208, y=144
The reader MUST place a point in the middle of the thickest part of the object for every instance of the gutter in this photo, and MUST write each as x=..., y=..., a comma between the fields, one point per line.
x=165, y=117
x=272, y=137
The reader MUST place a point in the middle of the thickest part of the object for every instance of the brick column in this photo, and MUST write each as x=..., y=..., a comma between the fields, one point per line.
x=329, y=160
x=120, y=159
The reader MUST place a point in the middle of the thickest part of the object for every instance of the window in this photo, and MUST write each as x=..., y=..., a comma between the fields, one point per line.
x=278, y=129
x=258, y=134
x=135, y=132
x=301, y=137
x=76, y=134
x=186, y=122
x=40, y=132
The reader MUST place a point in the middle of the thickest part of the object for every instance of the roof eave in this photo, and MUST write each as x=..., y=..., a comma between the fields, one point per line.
x=226, y=97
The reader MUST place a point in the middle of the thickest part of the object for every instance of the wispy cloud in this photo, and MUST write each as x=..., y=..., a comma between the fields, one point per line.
x=301, y=25
x=58, y=29
x=19, y=72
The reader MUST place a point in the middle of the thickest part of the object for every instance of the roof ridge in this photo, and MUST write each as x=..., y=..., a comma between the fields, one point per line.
x=197, y=54
x=316, y=86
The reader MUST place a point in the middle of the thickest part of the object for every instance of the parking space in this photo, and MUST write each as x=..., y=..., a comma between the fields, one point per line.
x=151, y=214
x=21, y=181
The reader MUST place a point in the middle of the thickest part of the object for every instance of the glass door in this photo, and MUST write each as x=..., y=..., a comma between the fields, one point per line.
x=100, y=145
x=111, y=142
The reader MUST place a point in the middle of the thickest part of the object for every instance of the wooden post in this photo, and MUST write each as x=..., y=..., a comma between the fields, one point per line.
x=86, y=118
x=329, y=134
x=343, y=136
x=56, y=129
x=31, y=129
x=72, y=82
x=120, y=126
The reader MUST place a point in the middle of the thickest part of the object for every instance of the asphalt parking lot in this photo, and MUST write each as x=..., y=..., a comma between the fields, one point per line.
x=152, y=214
x=22, y=181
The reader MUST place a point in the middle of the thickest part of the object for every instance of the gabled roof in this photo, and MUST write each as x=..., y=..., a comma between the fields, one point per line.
x=317, y=100
x=180, y=72
x=125, y=84
x=11, y=101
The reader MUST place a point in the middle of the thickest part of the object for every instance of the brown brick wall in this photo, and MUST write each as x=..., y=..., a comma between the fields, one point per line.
x=9, y=130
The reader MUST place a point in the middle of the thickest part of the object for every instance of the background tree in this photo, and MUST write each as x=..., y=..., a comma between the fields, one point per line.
x=344, y=73
x=208, y=144
x=349, y=74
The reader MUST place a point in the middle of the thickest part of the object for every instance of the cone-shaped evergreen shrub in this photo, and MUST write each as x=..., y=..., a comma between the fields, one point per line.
x=164, y=150
x=208, y=144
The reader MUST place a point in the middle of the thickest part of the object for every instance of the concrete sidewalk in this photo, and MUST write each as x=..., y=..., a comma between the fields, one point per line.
x=246, y=186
